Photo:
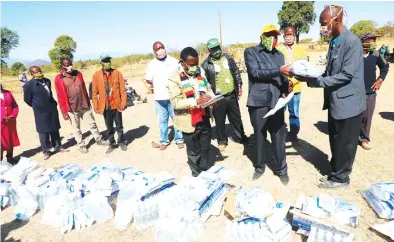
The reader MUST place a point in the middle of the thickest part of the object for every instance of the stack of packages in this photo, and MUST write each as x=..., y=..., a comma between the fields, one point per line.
x=380, y=196
x=305, y=69
x=311, y=213
x=140, y=196
x=78, y=198
x=4, y=186
x=187, y=206
x=13, y=190
x=259, y=218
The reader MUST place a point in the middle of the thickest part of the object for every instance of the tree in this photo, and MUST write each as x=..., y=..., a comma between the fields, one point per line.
x=301, y=15
x=9, y=41
x=387, y=30
x=364, y=26
x=202, y=49
x=17, y=67
x=64, y=47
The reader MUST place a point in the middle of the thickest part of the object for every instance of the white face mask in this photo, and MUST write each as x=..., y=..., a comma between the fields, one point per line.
x=324, y=30
x=69, y=69
x=161, y=54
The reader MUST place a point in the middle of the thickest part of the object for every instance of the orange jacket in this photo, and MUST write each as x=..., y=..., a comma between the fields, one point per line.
x=118, y=91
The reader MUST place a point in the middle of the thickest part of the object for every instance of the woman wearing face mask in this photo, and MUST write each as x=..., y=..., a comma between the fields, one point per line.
x=9, y=134
x=372, y=58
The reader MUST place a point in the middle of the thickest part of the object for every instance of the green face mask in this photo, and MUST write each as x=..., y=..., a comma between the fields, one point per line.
x=217, y=54
x=372, y=47
x=192, y=69
x=107, y=66
x=38, y=76
x=267, y=42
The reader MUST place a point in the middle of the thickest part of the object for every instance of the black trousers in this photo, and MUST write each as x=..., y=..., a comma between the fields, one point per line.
x=343, y=143
x=110, y=116
x=228, y=106
x=48, y=138
x=197, y=147
x=275, y=125
x=366, y=120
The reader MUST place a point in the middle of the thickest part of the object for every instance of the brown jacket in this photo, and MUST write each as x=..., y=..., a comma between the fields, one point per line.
x=117, y=86
x=182, y=104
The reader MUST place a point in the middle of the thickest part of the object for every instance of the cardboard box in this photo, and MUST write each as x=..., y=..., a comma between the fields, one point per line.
x=303, y=221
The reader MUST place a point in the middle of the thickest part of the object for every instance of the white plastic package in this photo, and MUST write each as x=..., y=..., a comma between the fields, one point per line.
x=96, y=207
x=305, y=69
x=27, y=204
x=386, y=229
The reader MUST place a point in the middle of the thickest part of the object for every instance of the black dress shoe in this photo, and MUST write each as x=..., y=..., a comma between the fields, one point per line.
x=258, y=172
x=284, y=179
x=123, y=147
x=110, y=149
x=333, y=185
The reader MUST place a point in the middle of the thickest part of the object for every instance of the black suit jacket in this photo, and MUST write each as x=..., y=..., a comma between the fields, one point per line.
x=44, y=105
x=266, y=83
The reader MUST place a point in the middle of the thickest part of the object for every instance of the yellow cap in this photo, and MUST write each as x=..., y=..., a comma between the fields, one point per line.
x=269, y=28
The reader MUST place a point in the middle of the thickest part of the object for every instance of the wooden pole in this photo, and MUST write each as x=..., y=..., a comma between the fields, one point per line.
x=220, y=28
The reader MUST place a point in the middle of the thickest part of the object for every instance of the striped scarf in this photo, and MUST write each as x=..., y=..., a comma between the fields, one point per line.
x=196, y=113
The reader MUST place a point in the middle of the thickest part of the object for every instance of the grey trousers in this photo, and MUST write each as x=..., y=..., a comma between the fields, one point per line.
x=366, y=120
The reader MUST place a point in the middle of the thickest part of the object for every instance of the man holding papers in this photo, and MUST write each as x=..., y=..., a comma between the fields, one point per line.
x=344, y=95
x=189, y=90
x=266, y=66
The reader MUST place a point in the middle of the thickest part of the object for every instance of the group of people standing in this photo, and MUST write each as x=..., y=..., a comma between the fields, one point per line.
x=348, y=81
x=182, y=87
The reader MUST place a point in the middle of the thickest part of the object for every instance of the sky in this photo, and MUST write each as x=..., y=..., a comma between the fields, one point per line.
x=121, y=28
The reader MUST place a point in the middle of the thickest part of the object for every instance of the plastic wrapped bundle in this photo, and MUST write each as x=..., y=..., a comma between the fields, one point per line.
x=324, y=233
x=27, y=203
x=305, y=69
x=18, y=173
x=254, y=203
x=252, y=229
x=384, y=209
x=324, y=206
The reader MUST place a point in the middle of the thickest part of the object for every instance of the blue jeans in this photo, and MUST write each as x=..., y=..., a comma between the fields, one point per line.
x=294, y=114
x=165, y=110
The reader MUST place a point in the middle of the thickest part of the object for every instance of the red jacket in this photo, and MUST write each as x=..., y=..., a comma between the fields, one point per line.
x=61, y=91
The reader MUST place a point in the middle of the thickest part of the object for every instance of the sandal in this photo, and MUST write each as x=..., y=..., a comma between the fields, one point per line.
x=155, y=145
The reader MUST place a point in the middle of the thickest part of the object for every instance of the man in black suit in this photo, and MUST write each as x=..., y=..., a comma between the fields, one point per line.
x=38, y=95
x=266, y=67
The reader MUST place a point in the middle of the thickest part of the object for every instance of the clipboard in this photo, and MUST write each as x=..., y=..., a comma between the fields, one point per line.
x=212, y=101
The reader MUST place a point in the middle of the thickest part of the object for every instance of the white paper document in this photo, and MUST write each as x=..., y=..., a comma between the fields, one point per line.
x=280, y=104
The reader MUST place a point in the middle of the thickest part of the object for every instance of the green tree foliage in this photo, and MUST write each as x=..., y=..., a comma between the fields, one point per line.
x=364, y=26
x=17, y=67
x=64, y=47
x=202, y=48
x=301, y=15
x=386, y=30
x=9, y=41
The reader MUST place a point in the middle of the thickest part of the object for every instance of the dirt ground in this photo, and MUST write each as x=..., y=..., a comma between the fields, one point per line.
x=305, y=160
